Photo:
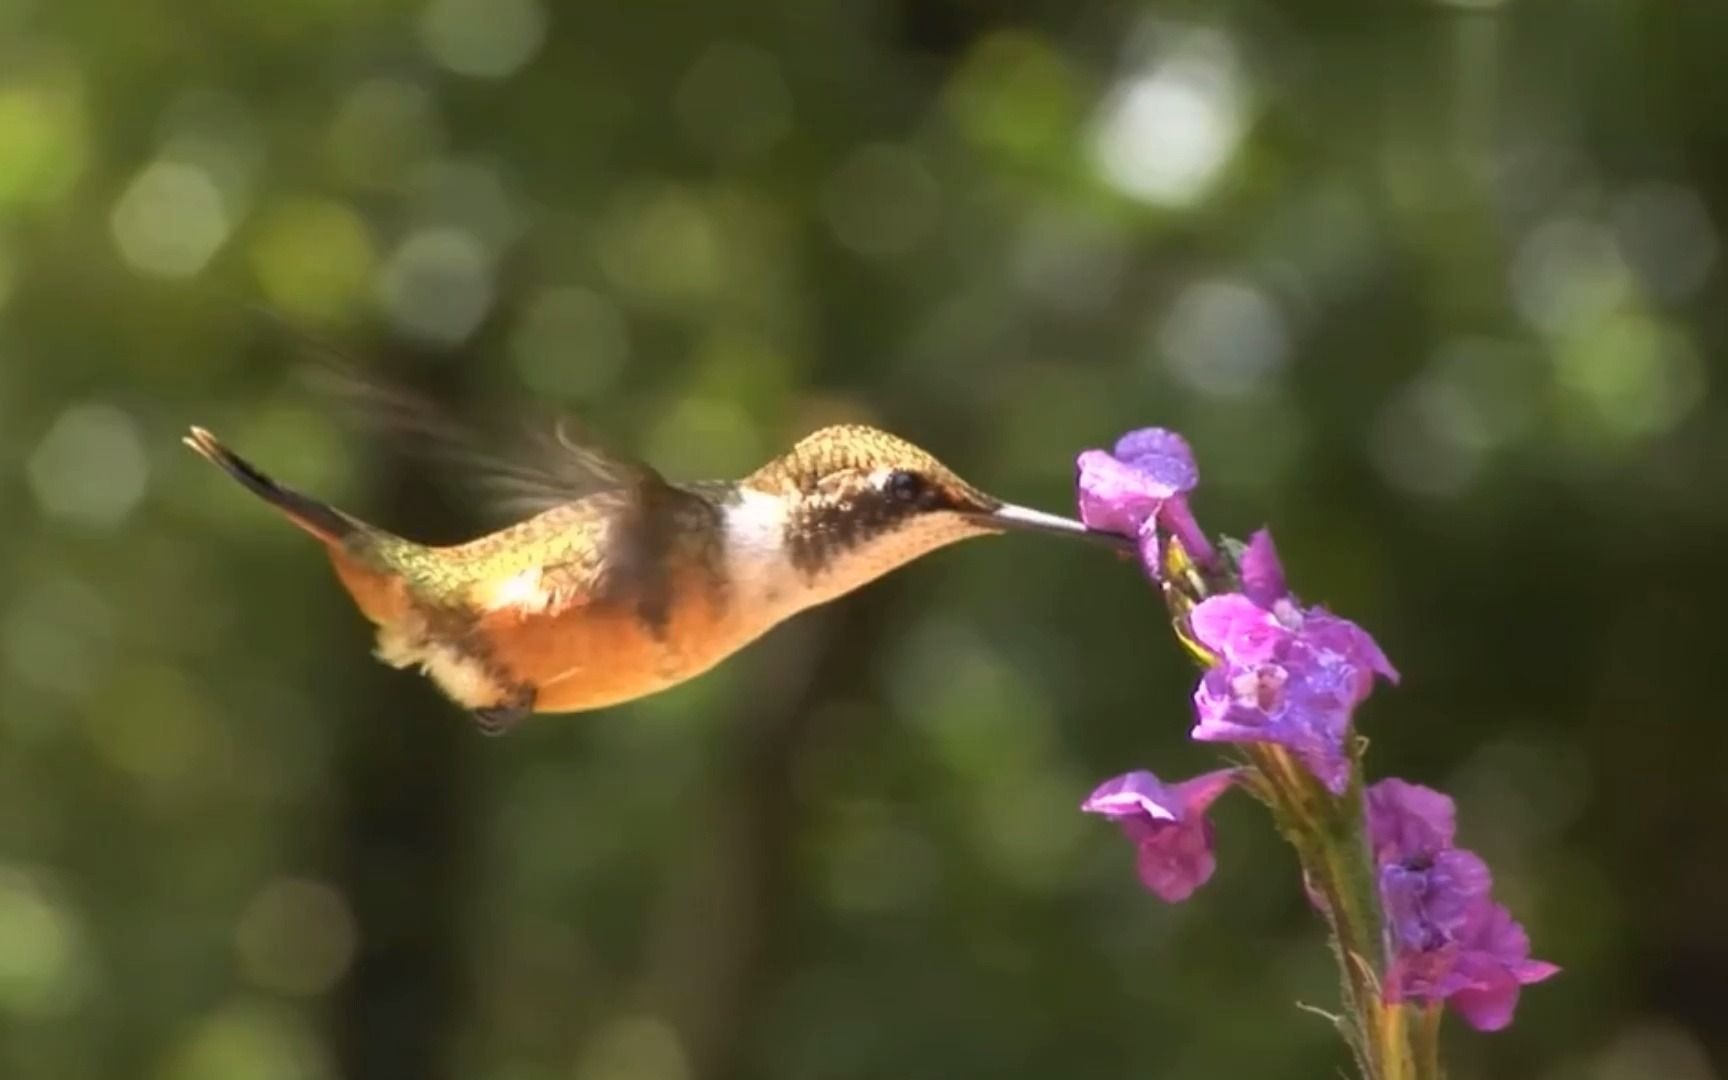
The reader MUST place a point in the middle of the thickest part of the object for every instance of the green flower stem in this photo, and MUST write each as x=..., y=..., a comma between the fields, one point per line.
x=1427, y=1043
x=1330, y=837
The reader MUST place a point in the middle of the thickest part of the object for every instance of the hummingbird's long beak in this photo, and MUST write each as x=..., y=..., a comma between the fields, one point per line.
x=1010, y=518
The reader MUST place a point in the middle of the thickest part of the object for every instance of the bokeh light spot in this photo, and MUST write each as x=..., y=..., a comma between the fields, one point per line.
x=295, y=937
x=1016, y=94
x=1428, y=440
x=384, y=129
x=634, y=1048
x=42, y=126
x=466, y=195
x=733, y=101
x=249, y=1041
x=1070, y=261
x=57, y=635
x=1637, y=377
x=1519, y=794
x=483, y=39
x=1167, y=133
x=882, y=201
x=1567, y=273
x=170, y=219
x=1224, y=337
x=570, y=343
x=163, y=754
x=1668, y=237
x=663, y=248
x=90, y=468
x=704, y=436
x=42, y=955
x=216, y=132
x=313, y=257
x=1498, y=382
x=437, y=285
x=1652, y=1048
x=1252, y=441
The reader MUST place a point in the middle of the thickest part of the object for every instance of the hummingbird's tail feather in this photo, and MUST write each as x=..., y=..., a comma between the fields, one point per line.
x=321, y=520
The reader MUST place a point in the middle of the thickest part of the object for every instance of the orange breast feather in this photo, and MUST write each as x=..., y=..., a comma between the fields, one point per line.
x=582, y=652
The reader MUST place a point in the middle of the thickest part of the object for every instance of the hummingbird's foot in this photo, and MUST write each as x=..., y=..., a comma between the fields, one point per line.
x=499, y=719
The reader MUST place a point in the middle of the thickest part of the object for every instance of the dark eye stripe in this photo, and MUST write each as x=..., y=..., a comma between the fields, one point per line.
x=825, y=530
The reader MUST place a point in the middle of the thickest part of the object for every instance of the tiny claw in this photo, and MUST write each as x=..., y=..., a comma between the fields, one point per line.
x=500, y=719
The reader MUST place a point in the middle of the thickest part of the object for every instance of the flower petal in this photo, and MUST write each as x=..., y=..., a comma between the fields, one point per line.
x=1236, y=628
x=1408, y=821
x=1175, y=516
x=1327, y=631
x=1262, y=573
x=1177, y=859
x=1450, y=941
x=1429, y=902
x=1167, y=823
x=1135, y=794
x=1195, y=796
x=1487, y=1005
x=1314, y=731
x=1163, y=457
x=1115, y=497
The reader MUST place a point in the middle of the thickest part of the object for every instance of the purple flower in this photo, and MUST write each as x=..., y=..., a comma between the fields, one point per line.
x=1263, y=582
x=1447, y=939
x=1428, y=901
x=1140, y=486
x=1167, y=824
x=1478, y=967
x=1287, y=675
x=1496, y=964
x=1262, y=573
x=1408, y=821
x=1292, y=681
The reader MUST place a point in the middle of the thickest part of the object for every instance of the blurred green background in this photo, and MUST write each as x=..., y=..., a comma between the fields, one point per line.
x=1437, y=290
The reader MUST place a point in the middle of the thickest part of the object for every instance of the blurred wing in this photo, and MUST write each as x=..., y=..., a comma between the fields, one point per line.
x=517, y=468
x=520, y=467
x=597, y=549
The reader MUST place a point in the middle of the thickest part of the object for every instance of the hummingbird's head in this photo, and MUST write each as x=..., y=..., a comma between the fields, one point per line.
x=856, y=502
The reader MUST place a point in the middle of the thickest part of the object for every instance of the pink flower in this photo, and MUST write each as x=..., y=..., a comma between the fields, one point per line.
x=1287, y=676
x=1140, y=486
x=1167, y=824
x=1446, y=937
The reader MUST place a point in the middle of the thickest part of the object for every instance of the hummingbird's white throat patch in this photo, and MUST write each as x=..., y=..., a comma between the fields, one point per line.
x=762, y=542
x=756, y=561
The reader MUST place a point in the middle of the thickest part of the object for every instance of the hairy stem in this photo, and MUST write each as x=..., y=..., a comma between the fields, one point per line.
x=1427, y=1043
x=1330, y=837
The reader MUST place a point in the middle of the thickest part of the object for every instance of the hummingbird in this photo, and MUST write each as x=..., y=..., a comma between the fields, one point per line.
x=624, y=584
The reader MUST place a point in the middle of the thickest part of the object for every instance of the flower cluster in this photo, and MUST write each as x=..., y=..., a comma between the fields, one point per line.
x=1283, y=675
x=1286, y=675
x=1446, y=938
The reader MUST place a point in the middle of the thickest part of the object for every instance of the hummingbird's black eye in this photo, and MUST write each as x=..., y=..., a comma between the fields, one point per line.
x=904, y=486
